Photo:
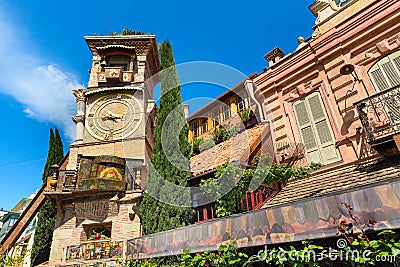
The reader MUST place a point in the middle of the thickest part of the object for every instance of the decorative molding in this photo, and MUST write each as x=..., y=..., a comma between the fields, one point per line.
x=96, y=210
x=380, y=49
x=79, y=118
x=80, y=94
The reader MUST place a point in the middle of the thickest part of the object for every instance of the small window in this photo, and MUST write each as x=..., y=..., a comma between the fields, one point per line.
x=240, y=104
x=216, y=118
x=119, y=61
x=131, y=179
x=196, y=131
x=226, y=111
x=200, y=127
x=99, y=231
x=204, y=125
x=386, y=72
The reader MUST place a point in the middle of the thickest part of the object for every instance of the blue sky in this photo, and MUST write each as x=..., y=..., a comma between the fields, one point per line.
x=43, y=56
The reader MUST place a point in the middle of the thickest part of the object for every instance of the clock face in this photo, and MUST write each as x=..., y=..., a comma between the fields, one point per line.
x=336, y=4
x=113, y=117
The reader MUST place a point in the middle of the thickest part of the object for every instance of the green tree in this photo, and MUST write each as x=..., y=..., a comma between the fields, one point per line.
x=170, y=159
x=47, y=214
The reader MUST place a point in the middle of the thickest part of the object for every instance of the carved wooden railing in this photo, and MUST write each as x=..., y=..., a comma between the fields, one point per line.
x=204, y=213
x=380, y=114
x=254, y=200
x=101, y=184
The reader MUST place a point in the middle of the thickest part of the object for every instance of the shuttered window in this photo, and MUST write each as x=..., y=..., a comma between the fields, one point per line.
x=315, y=130
x=386, y=72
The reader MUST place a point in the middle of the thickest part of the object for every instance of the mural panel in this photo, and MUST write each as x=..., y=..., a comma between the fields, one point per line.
x=305, y=220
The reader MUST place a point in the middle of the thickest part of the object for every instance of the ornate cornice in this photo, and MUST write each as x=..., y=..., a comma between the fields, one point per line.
x=133, y=87
x=80, y=94
x=78, y=118
x=273, y=54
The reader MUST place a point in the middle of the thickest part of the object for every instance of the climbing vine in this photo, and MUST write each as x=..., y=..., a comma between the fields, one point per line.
x=237, y=179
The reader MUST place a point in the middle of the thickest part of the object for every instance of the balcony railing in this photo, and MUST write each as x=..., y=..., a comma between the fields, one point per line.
x=101, y=184
x=115, y=74
x=380, y=114
x=254, y=200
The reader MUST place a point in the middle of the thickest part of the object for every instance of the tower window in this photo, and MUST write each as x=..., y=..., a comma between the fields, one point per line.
x=118, y=61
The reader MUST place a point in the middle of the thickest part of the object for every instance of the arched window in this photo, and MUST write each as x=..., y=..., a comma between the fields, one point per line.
x=315, y=130
x=118, y=61
x=385, y=73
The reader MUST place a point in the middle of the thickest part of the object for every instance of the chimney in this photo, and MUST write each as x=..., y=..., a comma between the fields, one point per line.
x=274, y=56
x=186, y=110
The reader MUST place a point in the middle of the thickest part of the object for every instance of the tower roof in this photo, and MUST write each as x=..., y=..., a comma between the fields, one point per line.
x=143, y=45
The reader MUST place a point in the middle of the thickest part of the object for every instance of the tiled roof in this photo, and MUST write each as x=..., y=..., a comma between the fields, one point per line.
x=236, y=149
x=351, y=177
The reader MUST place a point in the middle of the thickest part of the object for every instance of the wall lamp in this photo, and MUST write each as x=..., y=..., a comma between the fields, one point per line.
x=347, y=69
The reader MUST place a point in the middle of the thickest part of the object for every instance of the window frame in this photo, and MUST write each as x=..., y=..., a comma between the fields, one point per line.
x=317, y=132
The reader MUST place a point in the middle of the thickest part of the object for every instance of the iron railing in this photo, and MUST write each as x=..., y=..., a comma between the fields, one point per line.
x=380, y=114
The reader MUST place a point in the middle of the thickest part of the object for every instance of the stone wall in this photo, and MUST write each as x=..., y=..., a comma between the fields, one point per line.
x=121, y=212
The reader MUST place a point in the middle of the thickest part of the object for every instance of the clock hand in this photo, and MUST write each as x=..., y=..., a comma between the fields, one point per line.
x=112, y=116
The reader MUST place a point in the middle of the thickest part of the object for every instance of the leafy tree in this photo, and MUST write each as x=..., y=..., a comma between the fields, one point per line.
x=170, y=158
x=47, y=214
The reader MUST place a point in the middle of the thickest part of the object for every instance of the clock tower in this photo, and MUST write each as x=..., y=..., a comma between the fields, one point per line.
x=99, y=182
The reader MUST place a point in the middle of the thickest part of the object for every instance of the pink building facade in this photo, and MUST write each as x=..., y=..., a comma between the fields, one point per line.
x=309, y=95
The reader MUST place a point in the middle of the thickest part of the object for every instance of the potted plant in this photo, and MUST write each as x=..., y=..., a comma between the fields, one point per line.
x=196, y=146
x=97, y=235
x=220, y=134
x=248, y=118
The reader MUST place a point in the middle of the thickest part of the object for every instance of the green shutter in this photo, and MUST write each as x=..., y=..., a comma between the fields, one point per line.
x=315, y=130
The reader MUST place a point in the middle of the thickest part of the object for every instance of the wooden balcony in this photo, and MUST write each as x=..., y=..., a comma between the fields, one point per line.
x=380, y=118
x=113, y=73
x=101, y=184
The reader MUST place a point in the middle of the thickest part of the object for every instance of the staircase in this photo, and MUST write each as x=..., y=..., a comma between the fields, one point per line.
x=23, y=220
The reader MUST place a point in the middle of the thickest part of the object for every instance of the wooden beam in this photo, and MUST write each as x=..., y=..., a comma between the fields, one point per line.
x=60, y=209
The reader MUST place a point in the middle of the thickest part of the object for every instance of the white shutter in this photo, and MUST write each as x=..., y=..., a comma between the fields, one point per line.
x=378, y=79
x=317, y=134
x=391, y=73
x=306, y=132
x=386, y=72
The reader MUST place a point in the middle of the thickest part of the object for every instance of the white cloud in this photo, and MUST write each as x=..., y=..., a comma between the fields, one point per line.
x=29, y=112
x=42, y=87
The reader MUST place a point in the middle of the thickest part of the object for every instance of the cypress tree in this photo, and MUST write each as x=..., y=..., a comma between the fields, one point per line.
x=170, y=165
x=47, y=214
